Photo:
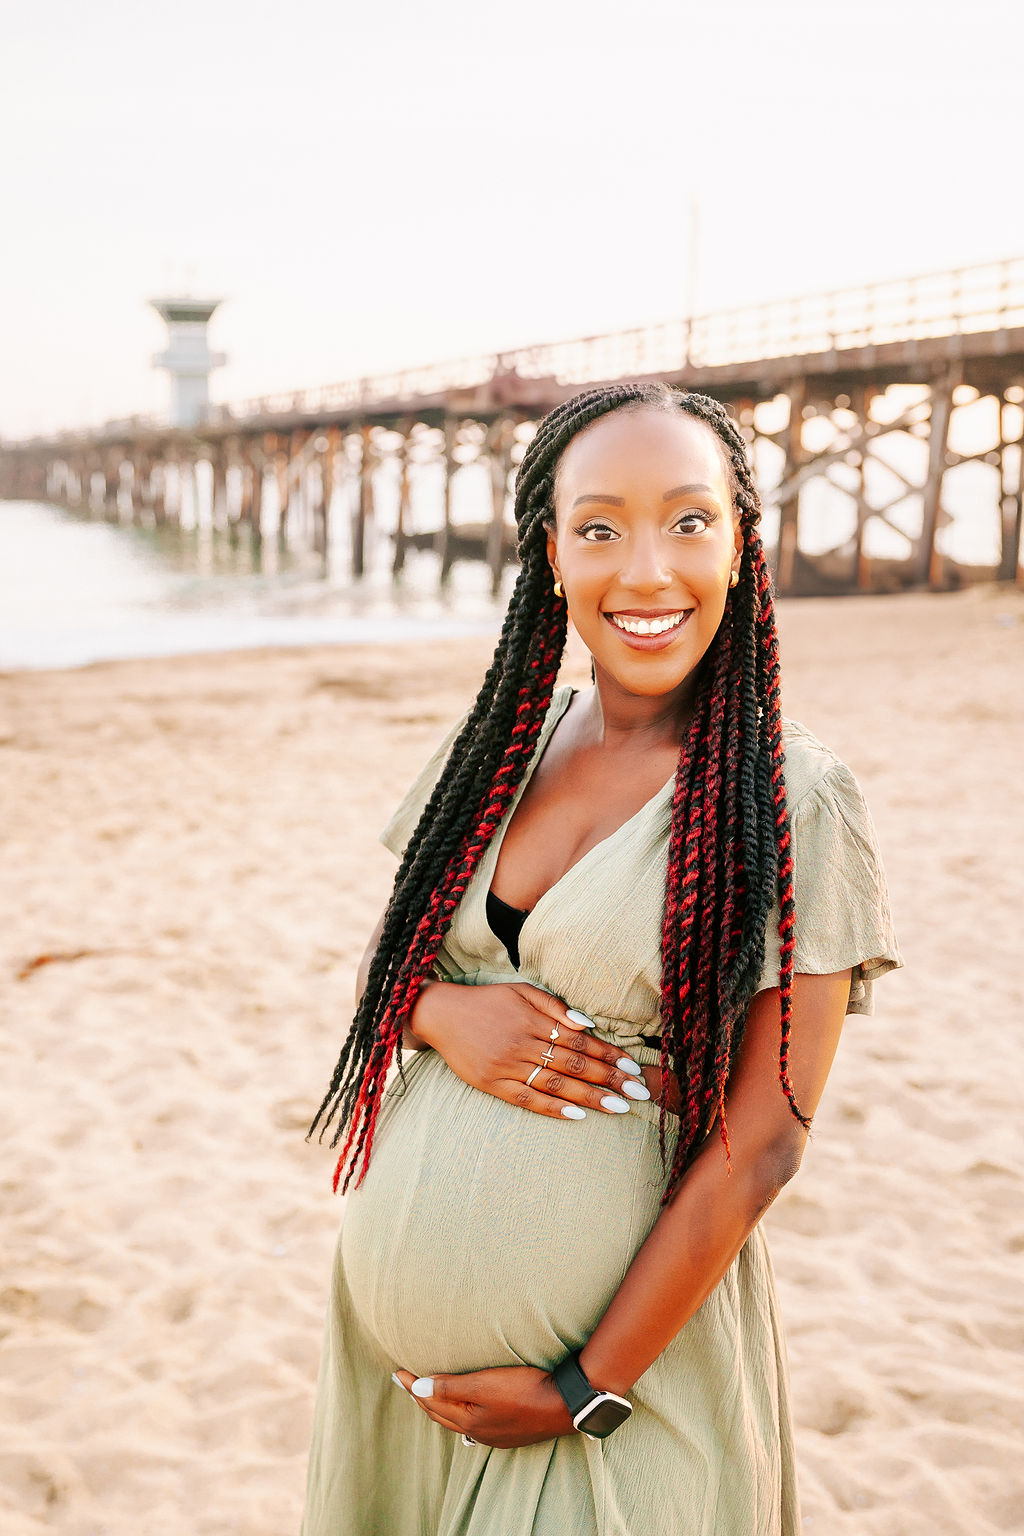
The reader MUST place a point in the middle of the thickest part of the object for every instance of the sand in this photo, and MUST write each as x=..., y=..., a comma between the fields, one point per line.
x=191, y=853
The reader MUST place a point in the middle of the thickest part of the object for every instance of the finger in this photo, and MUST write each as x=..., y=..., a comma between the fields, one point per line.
x=553, y=1007
x=445, y=1422
x=587, y=1070
x=441, y=1398
x=572, y=1034
x=571, y=1092
x=522, y=1097
x=601, y=1050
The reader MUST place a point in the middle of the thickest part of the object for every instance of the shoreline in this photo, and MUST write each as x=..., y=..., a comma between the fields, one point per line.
x=228, y=635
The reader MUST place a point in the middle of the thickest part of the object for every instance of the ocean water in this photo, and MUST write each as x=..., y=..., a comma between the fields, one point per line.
x=75, y=590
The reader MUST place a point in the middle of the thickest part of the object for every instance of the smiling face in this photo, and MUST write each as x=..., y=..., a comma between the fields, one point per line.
x=644, y=542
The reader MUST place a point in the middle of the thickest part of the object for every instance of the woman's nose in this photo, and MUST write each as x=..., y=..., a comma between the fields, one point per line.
x=647, y=568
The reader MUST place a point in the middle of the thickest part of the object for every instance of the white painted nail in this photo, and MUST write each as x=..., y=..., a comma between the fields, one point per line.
x=423, y=1386
x=398, y=1381
x=579, y=1018
x=573, y=1112
x=627, y=1064
x=636, y=1090
x=617, y=1107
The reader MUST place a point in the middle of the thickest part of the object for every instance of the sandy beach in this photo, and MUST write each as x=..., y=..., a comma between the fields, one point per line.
x=190, y=874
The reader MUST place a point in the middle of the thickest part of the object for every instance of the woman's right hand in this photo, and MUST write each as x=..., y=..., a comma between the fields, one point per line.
x=493, y=1037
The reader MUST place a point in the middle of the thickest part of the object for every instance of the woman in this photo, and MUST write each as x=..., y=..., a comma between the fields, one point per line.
x=621, y=945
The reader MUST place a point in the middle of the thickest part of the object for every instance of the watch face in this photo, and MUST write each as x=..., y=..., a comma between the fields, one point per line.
x=606, y=1414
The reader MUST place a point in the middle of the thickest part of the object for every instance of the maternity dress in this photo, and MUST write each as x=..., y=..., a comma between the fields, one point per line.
x=483, y=1235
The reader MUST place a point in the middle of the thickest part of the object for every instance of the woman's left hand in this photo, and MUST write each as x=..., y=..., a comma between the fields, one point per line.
x=502, y=1407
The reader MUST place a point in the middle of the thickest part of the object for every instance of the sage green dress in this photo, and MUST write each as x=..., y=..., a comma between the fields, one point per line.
x=483, y=1235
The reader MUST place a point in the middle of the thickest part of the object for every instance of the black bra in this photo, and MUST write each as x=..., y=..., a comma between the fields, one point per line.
x=506, y=923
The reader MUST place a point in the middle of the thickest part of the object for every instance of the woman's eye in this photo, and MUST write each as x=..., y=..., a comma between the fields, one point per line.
x=698, y=521
x=596, y=533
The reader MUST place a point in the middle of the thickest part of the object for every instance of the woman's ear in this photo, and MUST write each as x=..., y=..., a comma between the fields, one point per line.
x=552, y=549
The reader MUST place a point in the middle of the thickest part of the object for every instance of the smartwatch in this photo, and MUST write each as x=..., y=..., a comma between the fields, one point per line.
x=595, y=1413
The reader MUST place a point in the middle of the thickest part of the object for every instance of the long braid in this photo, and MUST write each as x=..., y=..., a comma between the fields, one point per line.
x=729, y=846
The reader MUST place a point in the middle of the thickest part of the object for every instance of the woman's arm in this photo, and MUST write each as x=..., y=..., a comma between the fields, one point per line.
x=696, y=1237
x=410, y=1041
x=702, y=1229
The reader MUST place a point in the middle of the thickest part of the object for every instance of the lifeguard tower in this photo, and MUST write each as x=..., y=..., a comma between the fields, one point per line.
x=188, y=358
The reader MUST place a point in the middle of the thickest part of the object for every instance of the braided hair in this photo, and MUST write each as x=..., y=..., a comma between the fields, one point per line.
x=729, y=846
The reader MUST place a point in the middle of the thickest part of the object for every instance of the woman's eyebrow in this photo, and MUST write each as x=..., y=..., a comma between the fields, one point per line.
x=684, y=490
x=611, y=501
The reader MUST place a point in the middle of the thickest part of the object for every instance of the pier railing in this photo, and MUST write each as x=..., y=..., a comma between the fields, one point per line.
x=986, y=297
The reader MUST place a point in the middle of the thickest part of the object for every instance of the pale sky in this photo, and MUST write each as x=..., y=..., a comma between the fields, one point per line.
x=399, y=182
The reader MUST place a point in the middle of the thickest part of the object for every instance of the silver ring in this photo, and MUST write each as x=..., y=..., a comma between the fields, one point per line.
x=533, y=1074
x=554, y=1034
x=468, y=1440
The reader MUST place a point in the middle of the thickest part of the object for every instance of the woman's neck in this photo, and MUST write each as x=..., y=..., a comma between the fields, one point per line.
x=611, y=717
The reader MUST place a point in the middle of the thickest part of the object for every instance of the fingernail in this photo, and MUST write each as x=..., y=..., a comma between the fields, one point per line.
x=617, y=1107
x=627, y=1064
x=423, y=1386
x=397, y=1381
x=579, y=1018
x=636, y=1090
x=573, y=1112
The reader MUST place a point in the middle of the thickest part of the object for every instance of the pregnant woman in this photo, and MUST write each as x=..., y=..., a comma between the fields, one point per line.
x=627, y=925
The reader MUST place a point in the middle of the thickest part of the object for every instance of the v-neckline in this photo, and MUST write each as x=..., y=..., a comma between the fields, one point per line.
x=495, y=849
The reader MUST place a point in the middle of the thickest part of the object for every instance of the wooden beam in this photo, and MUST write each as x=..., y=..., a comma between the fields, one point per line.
x=257, y=468
x=298, y=501
x=142, y=469
x=789, y=509
x=112, y=486
x=282, y=481
x=1010, y=499
x=402, y=526
x=219, y=493
x=328, y=458
x=364, y=508
x=861, y=562
x=499, y=443
x=929, y=558
x=158, y=492
x=246, y=490
x=445, y=542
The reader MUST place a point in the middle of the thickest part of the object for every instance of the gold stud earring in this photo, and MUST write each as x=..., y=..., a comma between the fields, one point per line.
x=734, y=578
x=558, y=589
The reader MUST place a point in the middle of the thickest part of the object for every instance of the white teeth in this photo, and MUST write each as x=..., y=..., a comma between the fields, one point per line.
x=648, y=626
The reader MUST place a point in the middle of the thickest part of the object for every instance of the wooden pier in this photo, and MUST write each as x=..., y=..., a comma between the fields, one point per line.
x=821, y=387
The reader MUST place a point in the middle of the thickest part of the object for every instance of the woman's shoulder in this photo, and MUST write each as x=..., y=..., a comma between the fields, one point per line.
x=810, y=767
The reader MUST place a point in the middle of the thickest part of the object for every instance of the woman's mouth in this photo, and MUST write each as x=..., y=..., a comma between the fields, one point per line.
x=650, y=632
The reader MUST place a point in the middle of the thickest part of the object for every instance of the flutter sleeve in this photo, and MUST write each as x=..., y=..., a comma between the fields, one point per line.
x=843, y=917
x=396, y=834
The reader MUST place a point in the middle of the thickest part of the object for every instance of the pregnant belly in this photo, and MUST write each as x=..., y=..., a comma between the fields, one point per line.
x=483, y=1235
